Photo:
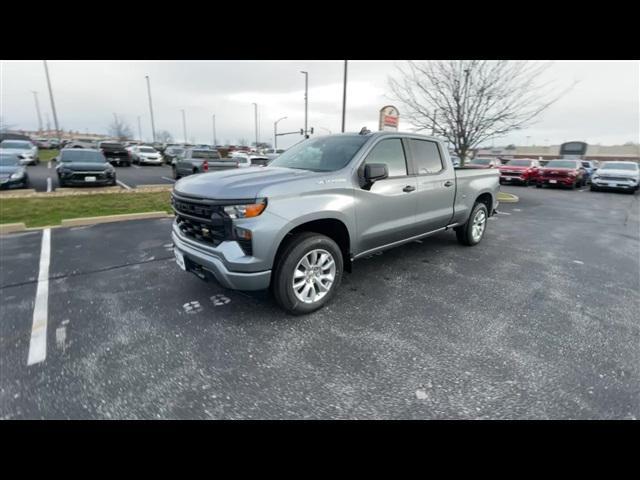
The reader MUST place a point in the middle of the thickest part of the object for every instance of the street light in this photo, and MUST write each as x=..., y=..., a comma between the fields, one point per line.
x=255, y=106
x=275, y=132
x=306, y=100
x=35, y=95
x=215, y=140
x=53, y=105
x=153, y=127
x=344, y=95
x=184, y=127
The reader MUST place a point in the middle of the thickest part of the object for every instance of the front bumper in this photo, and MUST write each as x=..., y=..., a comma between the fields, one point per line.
x=8, y=183
x=614, y=184
x=210, y=263
x=564, y=181
x=515, y=178
x=152, y=161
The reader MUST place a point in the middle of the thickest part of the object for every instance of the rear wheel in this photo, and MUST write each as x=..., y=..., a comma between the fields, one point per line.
x=471, y=233
x=307, y=274
x=538, y=185
x=593, y=188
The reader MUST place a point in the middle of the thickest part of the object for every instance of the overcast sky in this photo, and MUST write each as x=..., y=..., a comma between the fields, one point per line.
x=602, y=108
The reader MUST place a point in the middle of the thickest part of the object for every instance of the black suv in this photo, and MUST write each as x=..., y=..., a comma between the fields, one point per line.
x=115, y=153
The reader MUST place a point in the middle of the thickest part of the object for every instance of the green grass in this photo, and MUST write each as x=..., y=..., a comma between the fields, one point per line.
x=47, y=155
x=38, y=212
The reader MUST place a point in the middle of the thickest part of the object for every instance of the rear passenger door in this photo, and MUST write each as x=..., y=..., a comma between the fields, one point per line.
x=183, y=162
x=436, y=185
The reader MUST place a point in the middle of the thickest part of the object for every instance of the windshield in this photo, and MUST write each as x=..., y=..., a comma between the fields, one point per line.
x=519, y=163
x=16, y=145
x=561, y=164
x=7, y=160
x=481, y=161
x=85, y=156
x=619, y=166
x=323, y=154
x=147, y=150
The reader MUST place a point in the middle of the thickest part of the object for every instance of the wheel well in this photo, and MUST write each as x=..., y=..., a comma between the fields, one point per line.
x=332, y=228
x=487, y=199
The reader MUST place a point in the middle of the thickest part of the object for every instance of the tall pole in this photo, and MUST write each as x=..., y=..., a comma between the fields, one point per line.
x=344, y=95
x=53, y=105
x=139, y=129
x=153, y=126
x=215, y=140
x=46, y=115
x=184, y=127
x=255, y=109
x=306, y=101
x=275, y=133
x=35, y=95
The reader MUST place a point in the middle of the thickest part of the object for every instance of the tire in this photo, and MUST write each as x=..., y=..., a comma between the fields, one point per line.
x=174, y=172
x=538, y=185
x=466, y=234
x=593, y=188
x=290, y=261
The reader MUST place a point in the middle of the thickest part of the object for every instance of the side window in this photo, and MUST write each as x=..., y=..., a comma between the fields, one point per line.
x=426, y=156
x=391, y=153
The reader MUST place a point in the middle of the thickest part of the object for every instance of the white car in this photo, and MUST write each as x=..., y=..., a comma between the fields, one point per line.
x=249, y=160
x=27, y=151
x=144, y=154
x=616, y=176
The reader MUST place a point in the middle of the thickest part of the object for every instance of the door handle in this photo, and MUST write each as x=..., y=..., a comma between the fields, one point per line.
x=448, y=183
x=408, y=188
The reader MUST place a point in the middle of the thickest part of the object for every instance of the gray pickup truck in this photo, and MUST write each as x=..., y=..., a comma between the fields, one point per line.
x=296, y=225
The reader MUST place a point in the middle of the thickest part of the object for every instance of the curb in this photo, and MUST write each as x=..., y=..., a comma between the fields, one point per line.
x=76, y=222
x=507, y=198
x=12, y=227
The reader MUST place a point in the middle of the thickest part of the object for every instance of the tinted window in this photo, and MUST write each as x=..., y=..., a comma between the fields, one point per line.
x=391, y=153
x=520, y=163
x=81, y=155
x=16, y=145
x=323, y=154
x=110, y=145
x=147, y=150
x=205, y=154
x=426, y=156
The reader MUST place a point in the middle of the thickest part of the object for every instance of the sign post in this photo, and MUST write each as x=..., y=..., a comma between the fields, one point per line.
x=389, y=118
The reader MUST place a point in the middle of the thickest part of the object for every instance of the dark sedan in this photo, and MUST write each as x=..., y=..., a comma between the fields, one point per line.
x=12, y=174
x=84, y=167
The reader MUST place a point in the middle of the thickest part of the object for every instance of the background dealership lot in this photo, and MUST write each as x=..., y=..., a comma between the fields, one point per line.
x=538, y=321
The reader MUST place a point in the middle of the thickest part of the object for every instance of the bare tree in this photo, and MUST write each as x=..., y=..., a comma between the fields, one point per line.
x=471, y=101
x=120, y=129
x=163, y=136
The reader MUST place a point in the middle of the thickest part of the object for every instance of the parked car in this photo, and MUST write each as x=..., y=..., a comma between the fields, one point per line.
x=82, y=143
x=522, y=171
x=250, y=160
x=483, y=163
x=590, y=166
x=297, y=224
x=43, y=143
x=567, y=173
x=195, y=160
x=12, y=173
x=84, y=167
x=273, y=153
x=115, y=153
x=143, y=154
x=172, y=153
x=26, y=150
x=616, y=176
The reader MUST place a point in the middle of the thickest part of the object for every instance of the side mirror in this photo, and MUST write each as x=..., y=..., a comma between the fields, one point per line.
x=375, y=171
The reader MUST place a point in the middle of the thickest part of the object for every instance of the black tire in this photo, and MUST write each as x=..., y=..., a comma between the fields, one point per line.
x=538, y=185
x=174, y=172
x=464, y=232
x=292, y=252
x=593, y=188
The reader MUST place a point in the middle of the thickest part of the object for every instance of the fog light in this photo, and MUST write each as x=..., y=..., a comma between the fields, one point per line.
x=243, y=233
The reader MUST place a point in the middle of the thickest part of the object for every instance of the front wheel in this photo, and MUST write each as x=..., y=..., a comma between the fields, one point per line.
x=308, y=273
x=538, y=185
x=471, y=233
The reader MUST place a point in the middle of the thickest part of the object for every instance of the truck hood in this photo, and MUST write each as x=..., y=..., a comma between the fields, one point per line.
x=238, y=183
x=616, y=173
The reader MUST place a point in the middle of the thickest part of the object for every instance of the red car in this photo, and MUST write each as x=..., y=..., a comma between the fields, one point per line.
x=483, y=163
x=524, y=171
x=566, y=173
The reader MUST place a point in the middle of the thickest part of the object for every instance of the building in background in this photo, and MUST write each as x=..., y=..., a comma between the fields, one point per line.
x=601, y=153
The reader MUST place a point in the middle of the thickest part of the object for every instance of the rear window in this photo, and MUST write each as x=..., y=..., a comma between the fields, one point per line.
x=111, y=145
x=426, y=156
x=205, y=154
x=81, y=155
x=147, y=150
x=519, y=163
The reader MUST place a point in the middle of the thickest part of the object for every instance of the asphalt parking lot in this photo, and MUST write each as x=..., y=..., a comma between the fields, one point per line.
x=128, y=177
x=538, y=321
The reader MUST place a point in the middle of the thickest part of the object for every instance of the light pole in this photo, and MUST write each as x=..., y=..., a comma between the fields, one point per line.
x=184, y=127
x=139, y=129
x=35, y=95
x=153, y=127
x=344, y=95
x=255, y=109
x=215, y=140
x=306, y=100
x=275, y=132
x=53, y=105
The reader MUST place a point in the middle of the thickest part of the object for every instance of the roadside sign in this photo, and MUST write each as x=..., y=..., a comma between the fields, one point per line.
x=389, y=118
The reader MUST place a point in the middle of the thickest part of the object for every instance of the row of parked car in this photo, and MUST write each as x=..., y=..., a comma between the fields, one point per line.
x=569, y=173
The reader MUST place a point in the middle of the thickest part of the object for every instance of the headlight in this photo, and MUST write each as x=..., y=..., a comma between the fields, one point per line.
x=246, y=210
x=17, y=175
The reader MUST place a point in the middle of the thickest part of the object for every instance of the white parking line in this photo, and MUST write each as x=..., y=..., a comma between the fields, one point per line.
x=48, y=184
x=135, y=166
x=49, y=165
x=38, y=343
x=123, y=185
x=168, y=179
